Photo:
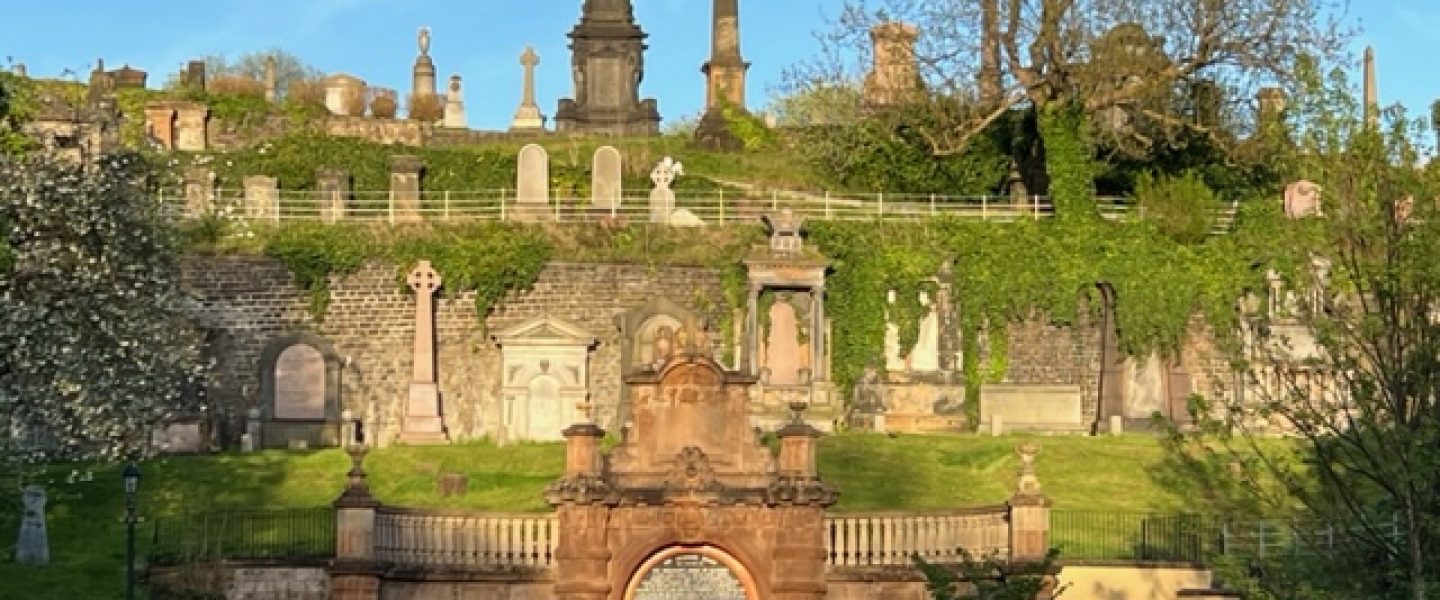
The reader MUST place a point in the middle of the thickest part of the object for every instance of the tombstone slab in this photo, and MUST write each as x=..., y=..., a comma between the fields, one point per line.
x=662, y=198
x=606, y=188
x=262, y=197
x=332, y=186
x=532, y=184
x=33, y=545
x=405, y=173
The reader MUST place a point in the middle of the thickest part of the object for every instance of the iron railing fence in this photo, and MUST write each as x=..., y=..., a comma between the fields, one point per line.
x=289, y=534
x=562, y=206
x=1139, y=536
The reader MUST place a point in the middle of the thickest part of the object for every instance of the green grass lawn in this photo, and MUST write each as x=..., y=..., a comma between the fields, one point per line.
x=873, y=472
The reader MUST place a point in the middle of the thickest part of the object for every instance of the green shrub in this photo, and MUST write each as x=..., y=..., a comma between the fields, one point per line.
x=1182, y=207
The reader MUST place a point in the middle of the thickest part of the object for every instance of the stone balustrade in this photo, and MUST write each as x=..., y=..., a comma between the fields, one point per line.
x=475, y=541
x=876, y=539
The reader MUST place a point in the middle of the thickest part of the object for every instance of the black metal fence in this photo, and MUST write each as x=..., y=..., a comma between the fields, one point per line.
x=1133, y=536
x=290, y=534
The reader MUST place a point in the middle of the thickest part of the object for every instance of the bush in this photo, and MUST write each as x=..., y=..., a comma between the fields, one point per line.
x=1179, y=206
x=306, y=91
x=425, y=108
x=383, y=107
x=233, y=85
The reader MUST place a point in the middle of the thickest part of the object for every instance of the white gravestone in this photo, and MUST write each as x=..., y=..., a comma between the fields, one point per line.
x=662, y=198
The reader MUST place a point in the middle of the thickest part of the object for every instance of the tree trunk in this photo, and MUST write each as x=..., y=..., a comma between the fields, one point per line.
x=991, y=86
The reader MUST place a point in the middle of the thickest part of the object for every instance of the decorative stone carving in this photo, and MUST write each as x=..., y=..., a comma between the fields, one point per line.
x=608, y=65
x=662, y=198
x=545, y=378
x=422, y=84
x=454, y=105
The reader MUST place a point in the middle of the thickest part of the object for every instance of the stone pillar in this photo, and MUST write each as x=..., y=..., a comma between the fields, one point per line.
x=423, y=78
x=725, y=71
x=1372, y=90
x=355, y=574
x=423, y=423
x=896, y=73
x=191, y=122
x=272, y=83
x=405, y=171
x=332, y=187
x=1029, y=511
x=582, y=450
x=252, y=429
x=160, y=121
x=582, y=556
x=818, y=369
x=528, y=117
x=752, y=329
x=798, y=562
x=262, y=197
x=199, y=191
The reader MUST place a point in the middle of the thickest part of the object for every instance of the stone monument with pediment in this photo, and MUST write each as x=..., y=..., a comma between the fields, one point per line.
x=608, y=64
x=690, y=486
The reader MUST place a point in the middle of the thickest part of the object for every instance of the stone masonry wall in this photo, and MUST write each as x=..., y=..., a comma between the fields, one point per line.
x=1041, y=352
x=246, y=302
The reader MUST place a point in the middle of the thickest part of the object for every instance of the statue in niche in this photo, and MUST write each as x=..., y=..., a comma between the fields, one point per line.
x=664, y=345
x=925, y=356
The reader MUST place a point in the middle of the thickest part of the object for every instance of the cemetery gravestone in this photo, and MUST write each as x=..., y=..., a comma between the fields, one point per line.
x=532, y=183
x=605, y=178
x=33, y=546
x=662, y=198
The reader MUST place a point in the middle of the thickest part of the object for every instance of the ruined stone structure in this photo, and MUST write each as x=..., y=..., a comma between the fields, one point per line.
x=895, y=76
x=608, y=65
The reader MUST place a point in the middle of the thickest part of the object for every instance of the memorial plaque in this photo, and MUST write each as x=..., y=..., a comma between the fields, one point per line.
x=690, y=577
x=300, y=383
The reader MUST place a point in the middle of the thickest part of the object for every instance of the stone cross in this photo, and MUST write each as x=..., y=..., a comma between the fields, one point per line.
x=425, y=282
x=33, y=545
x=528, y=117
x=662, y=199
x=423, y=423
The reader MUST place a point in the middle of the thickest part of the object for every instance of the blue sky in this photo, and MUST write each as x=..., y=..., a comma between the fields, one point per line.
x=482, y=39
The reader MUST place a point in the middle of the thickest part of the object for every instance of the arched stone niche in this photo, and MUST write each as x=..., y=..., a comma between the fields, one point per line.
x=545, y=378
x=641, y=329
x=300, y=391
x=692, y=572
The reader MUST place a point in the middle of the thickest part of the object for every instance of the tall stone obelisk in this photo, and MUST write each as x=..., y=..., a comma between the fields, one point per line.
x=1372, y=89
x=725, y=71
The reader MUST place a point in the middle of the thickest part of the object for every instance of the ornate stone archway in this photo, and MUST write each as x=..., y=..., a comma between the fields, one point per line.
x=685, y=572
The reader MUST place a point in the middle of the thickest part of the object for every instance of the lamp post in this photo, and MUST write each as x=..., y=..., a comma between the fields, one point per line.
x=132, y=484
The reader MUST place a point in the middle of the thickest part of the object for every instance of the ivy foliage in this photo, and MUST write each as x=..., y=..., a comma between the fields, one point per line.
x=315, y=252
x=1069, y=159
x=18, y=104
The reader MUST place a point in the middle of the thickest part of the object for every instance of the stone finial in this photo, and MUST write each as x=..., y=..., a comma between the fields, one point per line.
x=1027, y=483
x=357, y=489
x=786, y=228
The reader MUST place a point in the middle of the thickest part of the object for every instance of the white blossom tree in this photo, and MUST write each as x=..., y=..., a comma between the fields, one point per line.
x=94, y=345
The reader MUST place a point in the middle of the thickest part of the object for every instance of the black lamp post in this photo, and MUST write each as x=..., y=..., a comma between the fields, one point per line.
x=132, y=484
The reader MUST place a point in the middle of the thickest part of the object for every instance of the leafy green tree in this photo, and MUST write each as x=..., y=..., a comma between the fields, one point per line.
x=1363, y=480
x=17, y=106
x=94, y=345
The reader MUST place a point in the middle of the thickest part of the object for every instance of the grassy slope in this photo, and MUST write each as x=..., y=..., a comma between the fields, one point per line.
x=873, y=472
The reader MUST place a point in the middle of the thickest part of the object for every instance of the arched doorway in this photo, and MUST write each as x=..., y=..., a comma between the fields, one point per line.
x=691, y=573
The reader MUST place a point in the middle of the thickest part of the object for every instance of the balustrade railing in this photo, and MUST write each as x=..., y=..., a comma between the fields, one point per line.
x=415, y=538
x=875, y=539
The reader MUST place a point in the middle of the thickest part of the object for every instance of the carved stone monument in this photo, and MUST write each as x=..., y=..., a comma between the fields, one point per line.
x=272, y=80
x=895, y=76
x=33, y=545
x=690, y=488
x=528, y=117
x=608, y=65
x=532, y=184
x=423, y=423
x=455, y=105
x=725, y=71
x=422, y=83
x=405, y=173
x=662, y=198
x=606, y=176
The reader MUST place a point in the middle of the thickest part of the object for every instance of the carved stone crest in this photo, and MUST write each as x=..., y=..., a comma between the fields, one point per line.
x=692, y=472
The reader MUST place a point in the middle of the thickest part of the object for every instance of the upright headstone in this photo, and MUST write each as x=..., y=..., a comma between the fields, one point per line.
x=454, y=105
x=21, y=70
x=194, y=76
x=606, y=187
x=895, y=76
x=422, y=423
x=33, y=545
x=191, y=122
x=528, y=117
x=199, y=191
x=532, y=183
x=262, y=197
x=254, y=429
x=405, y=171
x=608, y=65
x=272, y=80
x=332, y=188
x=662, y=198
x=160, y=123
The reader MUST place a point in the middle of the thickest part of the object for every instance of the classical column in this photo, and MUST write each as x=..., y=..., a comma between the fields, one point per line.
x=422, y=422
x=422, y=81
x=819, y=371
x=1372, y=90
x=752, y=330
x=272, y=84
x=528, y=117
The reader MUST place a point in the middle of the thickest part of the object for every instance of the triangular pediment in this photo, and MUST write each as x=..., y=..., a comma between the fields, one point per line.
x=545, y=330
